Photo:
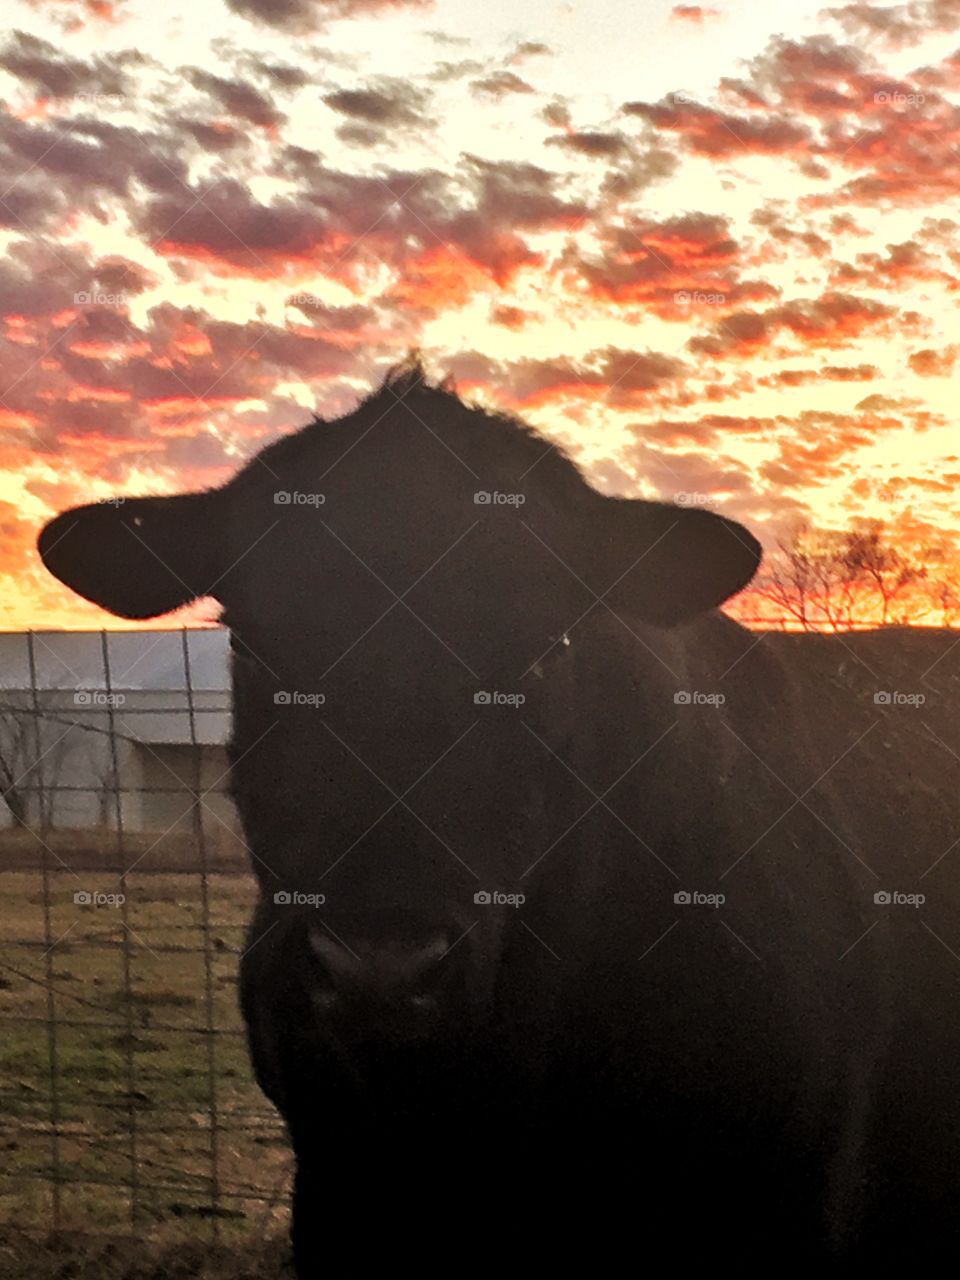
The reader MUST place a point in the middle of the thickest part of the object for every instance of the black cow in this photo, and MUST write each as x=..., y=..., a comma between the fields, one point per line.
x=593, y=966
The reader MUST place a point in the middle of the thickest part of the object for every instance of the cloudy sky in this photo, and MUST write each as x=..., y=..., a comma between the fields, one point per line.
x=712, y=251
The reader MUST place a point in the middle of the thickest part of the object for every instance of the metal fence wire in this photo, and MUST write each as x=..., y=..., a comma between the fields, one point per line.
x=127, y=1100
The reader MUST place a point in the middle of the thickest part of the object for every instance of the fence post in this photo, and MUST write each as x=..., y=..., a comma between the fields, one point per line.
x=49, y=942
x=125, y=949
x=200, y=836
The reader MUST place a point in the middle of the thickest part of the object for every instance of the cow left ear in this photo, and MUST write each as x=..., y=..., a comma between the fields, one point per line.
x=667, y=564
x=136, y=557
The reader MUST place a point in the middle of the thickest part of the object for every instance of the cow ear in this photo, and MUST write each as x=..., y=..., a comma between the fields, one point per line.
x=137, y=557
x=667, y=564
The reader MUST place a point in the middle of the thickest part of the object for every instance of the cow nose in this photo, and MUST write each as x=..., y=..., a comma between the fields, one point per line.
x=427, y=957
x=384, y=962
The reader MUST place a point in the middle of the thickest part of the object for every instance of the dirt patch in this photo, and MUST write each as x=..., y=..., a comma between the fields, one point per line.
x=79, y=1257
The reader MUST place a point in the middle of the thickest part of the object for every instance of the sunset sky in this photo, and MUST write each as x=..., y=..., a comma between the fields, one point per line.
x=711, y=251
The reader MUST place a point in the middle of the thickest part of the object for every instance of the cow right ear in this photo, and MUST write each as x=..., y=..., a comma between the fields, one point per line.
x=667, y=564
x=137, y=557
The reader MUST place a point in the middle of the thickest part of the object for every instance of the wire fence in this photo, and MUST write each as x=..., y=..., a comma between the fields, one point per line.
x=127, y=1100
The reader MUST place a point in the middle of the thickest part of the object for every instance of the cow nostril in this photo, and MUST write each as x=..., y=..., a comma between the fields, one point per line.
x=432, y=959
x=325, y=999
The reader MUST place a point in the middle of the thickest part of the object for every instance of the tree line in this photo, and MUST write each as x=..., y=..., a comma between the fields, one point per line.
x=841, y=580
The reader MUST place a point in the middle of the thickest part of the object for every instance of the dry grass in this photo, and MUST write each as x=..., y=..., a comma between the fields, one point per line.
x=99, y=849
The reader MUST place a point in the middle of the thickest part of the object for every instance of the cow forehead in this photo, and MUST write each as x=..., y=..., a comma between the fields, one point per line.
x=397, y=493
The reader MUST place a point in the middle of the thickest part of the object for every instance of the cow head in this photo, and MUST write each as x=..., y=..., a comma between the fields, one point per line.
x=396, y=582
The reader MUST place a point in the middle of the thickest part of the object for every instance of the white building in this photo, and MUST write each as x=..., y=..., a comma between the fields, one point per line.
x=96, y=724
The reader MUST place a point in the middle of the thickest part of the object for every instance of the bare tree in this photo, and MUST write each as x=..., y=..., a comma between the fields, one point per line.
x=880, y=566
x=811, y=578
x=26, y=762
x=945, y=595
x=836, y=579
x=15, y=727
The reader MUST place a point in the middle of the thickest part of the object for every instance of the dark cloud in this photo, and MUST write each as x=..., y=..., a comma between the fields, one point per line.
x=557, y=114
x=443, y=235
x=445, y=71
x=679, y=267
x=514, y=318
x=897, y=25
x=622, y=378
x=237, y=97
x=217, y=138
x=81, y=164
x=707, y=131
x=355, y=134
x=770, y=219
x=814, y=75
x=498, y=84
x=602, y=146
x=341, y=321
x=304, y=17
x=528, y=49
x=281, y=76
x=826, y=372
x=223, y=221
x=118, y=275
x=850, y=373
x=830, y=321
x=901, y=264
x=386, y=103
x=53, y=74
x=444, y=37
x=297, y=164
x=40, y=278
x=80, y=376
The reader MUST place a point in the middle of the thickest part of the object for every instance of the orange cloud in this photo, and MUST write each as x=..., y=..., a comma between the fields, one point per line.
x=694, y=13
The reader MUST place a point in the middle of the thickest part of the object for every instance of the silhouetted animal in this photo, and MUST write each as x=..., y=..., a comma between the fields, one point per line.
x=593, y=966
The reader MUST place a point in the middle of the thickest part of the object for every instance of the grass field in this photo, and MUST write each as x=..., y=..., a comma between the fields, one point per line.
x=128, y=1111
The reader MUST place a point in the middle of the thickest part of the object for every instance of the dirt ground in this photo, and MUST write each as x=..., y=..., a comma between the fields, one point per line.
x=72, y=1256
